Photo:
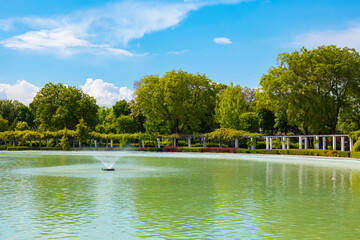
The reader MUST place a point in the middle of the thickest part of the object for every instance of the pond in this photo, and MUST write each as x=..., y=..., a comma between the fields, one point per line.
x=177, y=196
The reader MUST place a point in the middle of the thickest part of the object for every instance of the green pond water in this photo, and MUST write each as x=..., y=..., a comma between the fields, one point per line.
x=177, y=196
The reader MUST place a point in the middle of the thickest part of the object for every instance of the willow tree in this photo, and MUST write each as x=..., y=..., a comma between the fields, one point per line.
x=177, y=102
x=312, y=87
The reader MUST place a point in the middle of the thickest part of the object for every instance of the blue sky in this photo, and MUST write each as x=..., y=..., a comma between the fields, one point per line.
x=104, y=46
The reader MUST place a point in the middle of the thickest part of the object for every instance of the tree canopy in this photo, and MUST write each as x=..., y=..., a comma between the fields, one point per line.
x=58, y=106
x=312, y=87
x=178, y=102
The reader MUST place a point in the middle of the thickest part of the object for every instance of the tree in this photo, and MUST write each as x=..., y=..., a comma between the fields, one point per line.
x=125, y=124
x=58, y=106
x=9, y=111
x=249, y=122
x=121, y=107
x=4, y=124
x=232, y=102
x=312, y=87
x=21, y=126
x=25, y=114
x=178, y=102
x=64, y=141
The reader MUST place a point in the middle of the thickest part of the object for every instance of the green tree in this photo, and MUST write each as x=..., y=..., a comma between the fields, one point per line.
x=232, y=102
x=121, y=107
x=178, y=102
x=64, y=141
x=58, y=106
x=82, y=131
x=125, y=124
x=312, y=87
x=249, y=122
x=4, y=124
x=25, y=114
x=9, y=111
x=21, y=126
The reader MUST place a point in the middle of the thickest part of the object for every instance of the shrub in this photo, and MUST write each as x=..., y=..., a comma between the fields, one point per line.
x=190, y=149
x=241, y=150
x=21, y=148
x=356, y=147
x=344, y=154
x=150, y=149
x=2, y=147
x=219, y=149
x=265, y=151
x=355, y=154
x=170, y=149
x=50, y=148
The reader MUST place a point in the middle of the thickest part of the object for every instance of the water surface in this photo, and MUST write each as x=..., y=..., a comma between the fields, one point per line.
x=177, y=196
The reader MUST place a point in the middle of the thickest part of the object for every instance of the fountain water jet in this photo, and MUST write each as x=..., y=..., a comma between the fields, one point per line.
x=108, y=161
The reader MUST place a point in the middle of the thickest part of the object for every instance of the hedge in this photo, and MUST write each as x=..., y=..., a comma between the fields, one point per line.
x=21, y=148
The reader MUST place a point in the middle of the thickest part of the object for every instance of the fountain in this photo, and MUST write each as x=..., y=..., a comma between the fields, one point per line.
x=108, y=161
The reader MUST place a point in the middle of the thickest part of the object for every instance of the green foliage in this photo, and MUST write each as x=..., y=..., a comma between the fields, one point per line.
x=21, y=148
x=64, y=142
x=121, y=108
x=21, y=126
x=355, y=154
x=58, y=106
x=356, y=147
x=25, y=114
x=4, y=124
x=227, y=134
x=312, y=87
x=231, y=104
x=266, y=121
x=249, y=122
x=82, y=131
x=241, y=150
x=190, y=149
x=125, y=124
x=8, y=111
x=178, y=102
x=50, y=148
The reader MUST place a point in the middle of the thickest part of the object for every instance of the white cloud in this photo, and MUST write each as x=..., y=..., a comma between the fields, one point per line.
x=349, y=37
x=179, y=52
x=106, y=94
x=100, y=30
x=222, y=40
x=22, y=91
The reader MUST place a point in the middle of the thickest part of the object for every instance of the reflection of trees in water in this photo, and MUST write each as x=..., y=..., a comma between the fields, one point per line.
x=308, y=201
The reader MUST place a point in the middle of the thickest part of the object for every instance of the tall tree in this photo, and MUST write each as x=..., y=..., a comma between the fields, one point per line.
x=178, y=102
x=231, y=104
x=58, y=106
x=312, y=87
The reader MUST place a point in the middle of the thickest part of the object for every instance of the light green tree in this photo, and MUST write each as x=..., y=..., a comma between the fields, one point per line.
x=178, y=102
x=232, y=102
x=58, y=106
x=312, y=87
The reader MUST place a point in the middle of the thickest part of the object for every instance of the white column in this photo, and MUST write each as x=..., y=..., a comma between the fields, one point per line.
x=13, y=143
x=267, y=142
x=333, y=143
x=351, y=143
x=95, y=144
x=236, y=142
x=342, y=143
x=143, y=143
x=204, y=141
x=300, y=142
x=253, y=147
x=30, y=143
x=317, y=143
x=111, y=143
x=287, y=143
x=283, y=142
x=79, y=144
x=324, y=143
x=174, y=142
x=306, y=142
x=158, y=143
x=47, y=142
x=271, y=143
x=189, y=141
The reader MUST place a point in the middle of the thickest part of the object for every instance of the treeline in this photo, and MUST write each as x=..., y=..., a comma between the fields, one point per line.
x=307, y=92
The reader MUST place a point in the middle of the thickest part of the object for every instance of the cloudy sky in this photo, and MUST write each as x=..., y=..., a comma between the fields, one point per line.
x=104, y=46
